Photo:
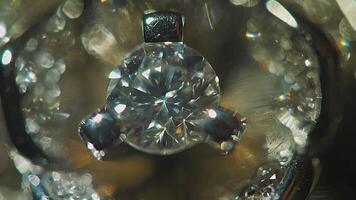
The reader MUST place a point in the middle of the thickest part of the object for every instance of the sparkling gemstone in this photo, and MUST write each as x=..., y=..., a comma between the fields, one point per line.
x=238, y=2
x=31, y=45
x=56, y=23
x=98, y=40
x=159, y=92
x=346, y=30
x=44, y=59
x=73, y=8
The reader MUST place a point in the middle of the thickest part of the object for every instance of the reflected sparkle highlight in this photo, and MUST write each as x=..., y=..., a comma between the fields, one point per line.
x=6, y=57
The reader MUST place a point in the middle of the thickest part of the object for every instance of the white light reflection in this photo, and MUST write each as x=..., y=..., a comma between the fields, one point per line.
x=97, y=118
x=6, y=57
x=283, y=14
x=252, y=35
x=120, y=108
x=3, y=30
x=149, y=20
x=238, y=2
x=212, y=113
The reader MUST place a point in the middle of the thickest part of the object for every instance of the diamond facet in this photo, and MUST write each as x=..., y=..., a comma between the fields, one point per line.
x=159, y=93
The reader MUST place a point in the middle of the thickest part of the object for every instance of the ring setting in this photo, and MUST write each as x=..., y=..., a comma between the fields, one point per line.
x=163, y=98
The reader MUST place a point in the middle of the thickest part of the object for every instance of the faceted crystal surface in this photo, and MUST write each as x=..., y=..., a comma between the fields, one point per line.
x=159, y=93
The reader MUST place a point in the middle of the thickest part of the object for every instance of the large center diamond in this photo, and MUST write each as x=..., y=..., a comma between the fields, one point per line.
x=159, y=93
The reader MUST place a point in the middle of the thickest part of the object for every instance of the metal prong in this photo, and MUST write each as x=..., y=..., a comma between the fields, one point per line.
x=224, y=128
x=162, y=26
x=99, y=130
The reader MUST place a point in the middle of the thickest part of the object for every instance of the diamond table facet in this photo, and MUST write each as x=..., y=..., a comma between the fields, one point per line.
x=159, y=93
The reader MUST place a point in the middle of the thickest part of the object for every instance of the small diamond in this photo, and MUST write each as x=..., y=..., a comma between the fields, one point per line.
x=53, y=76
x=56, y=23
x=24, y=79
x=159, y=93
x=31, y=45
x=73, y=8
x=60, y=66
x=34, y=180
x=44, y=59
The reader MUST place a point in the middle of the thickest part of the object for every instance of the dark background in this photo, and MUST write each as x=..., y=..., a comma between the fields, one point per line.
x=338, y=179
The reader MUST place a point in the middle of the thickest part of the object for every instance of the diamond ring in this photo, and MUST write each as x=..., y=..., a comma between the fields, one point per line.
x=163, y=98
